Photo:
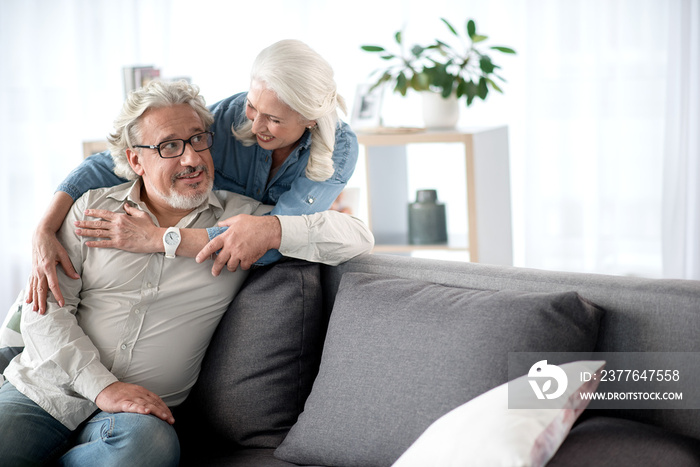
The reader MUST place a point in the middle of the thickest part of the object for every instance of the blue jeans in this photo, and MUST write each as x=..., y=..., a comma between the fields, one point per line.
x=30, y=436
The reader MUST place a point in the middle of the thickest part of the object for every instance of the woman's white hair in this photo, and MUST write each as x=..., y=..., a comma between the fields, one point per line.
x=303, y=80
x=156, y=94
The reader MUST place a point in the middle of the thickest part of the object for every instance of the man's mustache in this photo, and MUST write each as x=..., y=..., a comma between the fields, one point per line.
x=189, y=170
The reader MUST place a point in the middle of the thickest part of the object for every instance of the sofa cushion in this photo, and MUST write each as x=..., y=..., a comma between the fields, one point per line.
x=400, y=353
x=250, y=457
x=262, y=359
x=611, y=442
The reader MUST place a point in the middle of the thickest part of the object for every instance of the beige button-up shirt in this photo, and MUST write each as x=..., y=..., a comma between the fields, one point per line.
x=142, y=318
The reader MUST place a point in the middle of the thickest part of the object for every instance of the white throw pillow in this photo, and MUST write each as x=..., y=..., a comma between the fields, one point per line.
x=485, y=432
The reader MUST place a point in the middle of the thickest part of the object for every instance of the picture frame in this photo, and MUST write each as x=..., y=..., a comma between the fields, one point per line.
x=367, y=107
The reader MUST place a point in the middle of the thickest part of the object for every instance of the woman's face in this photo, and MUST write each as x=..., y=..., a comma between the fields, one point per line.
x=276, y=126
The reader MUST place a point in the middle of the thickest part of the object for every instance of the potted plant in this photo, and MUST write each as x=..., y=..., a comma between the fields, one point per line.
x=451, y=72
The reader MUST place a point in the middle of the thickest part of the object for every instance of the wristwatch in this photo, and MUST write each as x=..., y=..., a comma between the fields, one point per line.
x=171, y=240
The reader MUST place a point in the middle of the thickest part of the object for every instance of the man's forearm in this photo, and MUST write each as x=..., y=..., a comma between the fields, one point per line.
x=328, y=237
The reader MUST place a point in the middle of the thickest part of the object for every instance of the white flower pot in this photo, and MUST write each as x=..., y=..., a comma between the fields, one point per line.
x=439, y=112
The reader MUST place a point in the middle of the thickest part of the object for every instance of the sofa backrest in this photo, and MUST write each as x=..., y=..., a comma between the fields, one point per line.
x=641, y=315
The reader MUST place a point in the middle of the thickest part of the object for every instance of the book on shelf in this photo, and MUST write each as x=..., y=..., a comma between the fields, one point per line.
x=136, y=77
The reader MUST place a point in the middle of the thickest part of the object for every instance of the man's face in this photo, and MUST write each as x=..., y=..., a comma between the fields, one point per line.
x=184, y=182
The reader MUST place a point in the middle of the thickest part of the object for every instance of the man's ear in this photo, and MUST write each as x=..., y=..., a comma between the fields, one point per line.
x=134, y=158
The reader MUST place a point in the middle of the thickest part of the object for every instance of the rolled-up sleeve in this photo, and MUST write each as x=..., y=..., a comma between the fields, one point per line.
x=328, y=237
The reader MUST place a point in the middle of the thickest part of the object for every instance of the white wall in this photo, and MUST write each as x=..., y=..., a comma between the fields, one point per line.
x=583, y=117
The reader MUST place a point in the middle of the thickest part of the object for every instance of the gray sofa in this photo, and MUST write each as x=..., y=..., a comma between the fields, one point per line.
x=400, y=341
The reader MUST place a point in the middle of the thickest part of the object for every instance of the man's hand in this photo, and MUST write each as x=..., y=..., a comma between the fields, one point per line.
x=125, y=397
x=247, y=239
x=47, y=252
x=133, y=231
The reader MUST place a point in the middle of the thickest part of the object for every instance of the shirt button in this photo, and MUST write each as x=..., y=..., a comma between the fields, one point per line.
x=310, y=200
x=123, y=347
x=137, y=311
x=149, y=285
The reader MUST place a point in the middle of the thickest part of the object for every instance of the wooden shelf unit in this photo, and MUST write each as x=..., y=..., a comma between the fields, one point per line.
x=487, y=179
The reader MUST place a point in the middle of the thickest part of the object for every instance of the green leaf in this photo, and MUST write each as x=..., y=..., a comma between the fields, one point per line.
x=461, y=88
x=372, y=48
x=483, y=89
x=417, y=50
x=477, y=38
x=486, y=65
x=401, y=84
x=420, y=82
x=385, y=77
x=471, y=29
x=440, y=45
x=505, y=50
x=449, y=26
x=494, y=85
x=447, y=89
x=471, y=88
x=397, y=37
x=388, y=56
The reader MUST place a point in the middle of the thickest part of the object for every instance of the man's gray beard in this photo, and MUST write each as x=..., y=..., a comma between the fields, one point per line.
x=179, y=201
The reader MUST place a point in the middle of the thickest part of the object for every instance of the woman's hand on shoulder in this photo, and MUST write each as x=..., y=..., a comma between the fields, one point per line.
x=47, y=252
x=132, y=231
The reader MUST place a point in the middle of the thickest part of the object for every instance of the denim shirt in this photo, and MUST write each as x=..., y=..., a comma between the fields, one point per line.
x=245, y=170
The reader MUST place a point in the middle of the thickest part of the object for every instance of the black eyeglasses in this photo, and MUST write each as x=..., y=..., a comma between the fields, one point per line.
x=176, y=147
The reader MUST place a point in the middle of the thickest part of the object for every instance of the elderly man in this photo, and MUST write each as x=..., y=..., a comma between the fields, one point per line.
x=95, y=381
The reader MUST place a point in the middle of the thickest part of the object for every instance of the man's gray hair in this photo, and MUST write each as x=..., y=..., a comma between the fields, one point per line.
x=156, y=94
x=304, y=81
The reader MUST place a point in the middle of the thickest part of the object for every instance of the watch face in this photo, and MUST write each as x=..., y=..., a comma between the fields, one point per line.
x=171, y=238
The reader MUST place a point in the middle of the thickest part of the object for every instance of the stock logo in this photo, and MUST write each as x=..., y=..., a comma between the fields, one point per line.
x=540, y=378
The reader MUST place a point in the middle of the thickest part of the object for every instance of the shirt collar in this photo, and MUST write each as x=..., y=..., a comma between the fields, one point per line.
x=304, y=143
x=131, y=192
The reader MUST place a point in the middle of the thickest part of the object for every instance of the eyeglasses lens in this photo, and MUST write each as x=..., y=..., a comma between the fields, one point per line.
x=176, y=147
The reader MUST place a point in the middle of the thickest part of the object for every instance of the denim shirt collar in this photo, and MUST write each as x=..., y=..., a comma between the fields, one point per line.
x=304, y=143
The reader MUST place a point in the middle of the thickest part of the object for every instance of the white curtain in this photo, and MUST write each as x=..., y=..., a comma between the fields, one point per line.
x=591, y=130
x=681, y=200
x=60, y=85
x=592, y=124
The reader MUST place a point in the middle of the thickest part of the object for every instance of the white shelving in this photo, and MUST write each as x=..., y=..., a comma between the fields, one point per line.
x=487, y=183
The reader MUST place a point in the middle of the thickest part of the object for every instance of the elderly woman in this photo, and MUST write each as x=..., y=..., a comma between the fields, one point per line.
x=280, y=143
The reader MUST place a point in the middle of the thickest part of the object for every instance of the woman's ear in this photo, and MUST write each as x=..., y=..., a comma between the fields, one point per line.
x=134, y=158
